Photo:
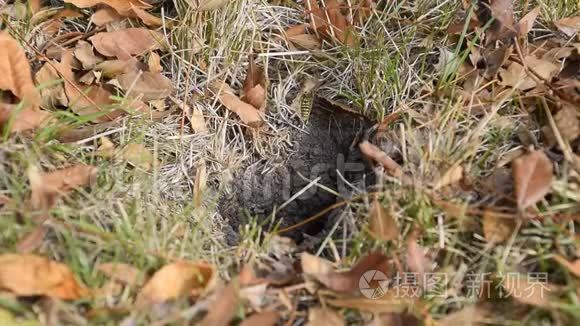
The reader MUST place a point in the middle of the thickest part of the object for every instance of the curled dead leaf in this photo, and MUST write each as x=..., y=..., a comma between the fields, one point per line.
x=376, y=154
x=31, y=275
x=255, y=86
x=84, y=53
x=247, y=113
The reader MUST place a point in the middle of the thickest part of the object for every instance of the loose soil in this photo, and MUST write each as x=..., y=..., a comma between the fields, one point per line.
x=328, y=143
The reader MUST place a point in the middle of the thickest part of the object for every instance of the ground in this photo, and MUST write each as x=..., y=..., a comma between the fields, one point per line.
x=437, y=145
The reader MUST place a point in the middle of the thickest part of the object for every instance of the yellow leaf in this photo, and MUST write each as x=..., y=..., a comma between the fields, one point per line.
x=176, y=280
x=139, y=156
x=31, y=275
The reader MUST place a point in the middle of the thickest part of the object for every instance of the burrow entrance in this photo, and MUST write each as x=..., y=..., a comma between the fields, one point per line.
x=329, y=143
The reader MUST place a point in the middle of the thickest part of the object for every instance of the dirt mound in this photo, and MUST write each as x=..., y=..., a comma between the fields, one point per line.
x=328, y=144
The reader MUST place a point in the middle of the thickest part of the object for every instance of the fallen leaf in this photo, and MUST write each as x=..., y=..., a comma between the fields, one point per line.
x=525, y=24
x=84, y=53
x=451, y=176
x=125, y=43
x=320, y=316
x=147, y=18
x=496, y=229
x=347, y=282
x=568, y=122
x=523, y=290
x=85, y=101
x=18, y=119
x=382, y=224
x=146, y=85
x=208, y=5
x=517, y=77
x=503, y=25
x=417, y=262
x=106, y=149
x=224, y=308
x=314, y=265
x=255, y=86
x=532, y=174
x=123, y=273
x=32, y=240
x=114, y=68
x=123, y=7
x=51, y=88
x=16, y=74
x=47, y=188
x=105, y=16
x=264, y=318
x=568, y=26
x=31, y=275
x=393, y=301
x=247, y=113
x=139, y=156
x=298, y=36
x=174, y=281
x=35, y=5
x=572, y=267
x=330, y=21
x=154, y=63
x=376, y=154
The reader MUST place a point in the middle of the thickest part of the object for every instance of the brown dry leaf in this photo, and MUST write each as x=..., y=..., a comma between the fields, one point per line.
x=82, y=100
x=525, y=24
x=123, y=273
x=154, y=63
x=84, y=53
x=254, y=88
x=391, y=302
x=264, y=318
x=146, y=85
x=106, y=149
x=46, y=188
x=114, y=68
x=503, y=13
x=105, y=16
x=224, y=308
x=572, y=267
x=31, y=275
x=147, y=18
x=126, y=43
x=453, y=175
x=52, y=91
x=526, y=291
x=208, y=5
x=532, y=174
x=330, y=21
x=320, y=316
x=123, y=7
x=517, y=77
x=247, y=113
x=17, y=119
x=16, y=74
x=298, y=36
x=376, y=154
x=314, y=265
x=176, y=280
x=416, y=260
x=139, y=156
x=496, y=229
x=568, y=26
x=348, y=281
x=35, y=5
x=382, y=224
x=568, y=122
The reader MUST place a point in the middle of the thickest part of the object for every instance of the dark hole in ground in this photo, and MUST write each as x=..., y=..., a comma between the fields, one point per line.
x=330, y=144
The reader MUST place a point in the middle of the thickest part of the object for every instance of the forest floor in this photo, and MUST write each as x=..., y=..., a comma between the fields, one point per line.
x=261, y=162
